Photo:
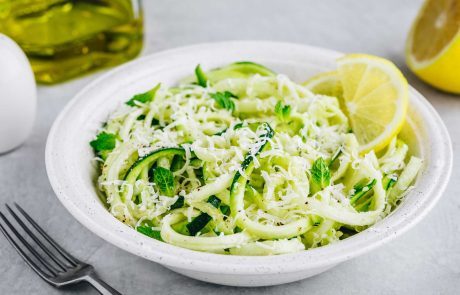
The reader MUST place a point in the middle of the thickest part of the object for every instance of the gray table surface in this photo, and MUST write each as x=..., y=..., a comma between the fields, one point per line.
x=426, y=260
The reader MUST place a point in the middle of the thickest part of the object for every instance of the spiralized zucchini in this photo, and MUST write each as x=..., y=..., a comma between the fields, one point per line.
x=244, y=161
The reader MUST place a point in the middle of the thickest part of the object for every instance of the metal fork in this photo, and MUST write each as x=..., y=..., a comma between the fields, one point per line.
x=53, y=264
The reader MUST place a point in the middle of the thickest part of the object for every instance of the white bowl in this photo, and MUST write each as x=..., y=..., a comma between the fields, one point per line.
x=72, y=172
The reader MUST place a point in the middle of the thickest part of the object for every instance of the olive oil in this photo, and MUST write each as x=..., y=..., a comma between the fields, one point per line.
x=65, y=38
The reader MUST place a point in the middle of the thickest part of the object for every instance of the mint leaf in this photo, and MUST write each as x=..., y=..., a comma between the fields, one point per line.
x=148, y=231
x=164, y=179
x=104, y=142
x=320, y=175
x=224, y=99
x=282, y=112
x=143, y=97
x=201, y=76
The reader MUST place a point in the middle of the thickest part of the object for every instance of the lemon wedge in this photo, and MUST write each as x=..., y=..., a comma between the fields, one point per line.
x=375, y=95
x=326, y=83
x=433, y=45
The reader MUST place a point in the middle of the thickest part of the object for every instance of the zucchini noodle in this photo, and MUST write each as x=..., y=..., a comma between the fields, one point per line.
x=243, y=161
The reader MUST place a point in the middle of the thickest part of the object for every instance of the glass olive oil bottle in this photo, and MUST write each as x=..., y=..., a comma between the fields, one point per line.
x=65, y=38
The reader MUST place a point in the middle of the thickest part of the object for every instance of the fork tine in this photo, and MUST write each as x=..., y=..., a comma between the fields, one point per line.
x=30, y=262
x=72, y=260
x=53, y=257
x=23, y=254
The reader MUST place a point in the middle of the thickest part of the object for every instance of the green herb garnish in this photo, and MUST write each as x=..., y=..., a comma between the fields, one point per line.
x=104, y=142
x=224, y=99
x=143, y=97
x=164, y=179
x=320, y=175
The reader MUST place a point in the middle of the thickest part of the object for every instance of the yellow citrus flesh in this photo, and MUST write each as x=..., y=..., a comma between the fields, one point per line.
x=326, y=83
x=433, y=45
x=375, y=95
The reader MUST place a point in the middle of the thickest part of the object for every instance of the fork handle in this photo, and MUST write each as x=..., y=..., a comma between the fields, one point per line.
x=101, y=286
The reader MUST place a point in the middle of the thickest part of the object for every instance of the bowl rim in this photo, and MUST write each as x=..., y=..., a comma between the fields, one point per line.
x=178, y=257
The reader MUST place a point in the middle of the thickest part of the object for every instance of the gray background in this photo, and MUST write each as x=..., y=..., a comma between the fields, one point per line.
x=426, y=260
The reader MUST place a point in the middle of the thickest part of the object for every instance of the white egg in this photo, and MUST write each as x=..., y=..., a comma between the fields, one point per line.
x=18, y=95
